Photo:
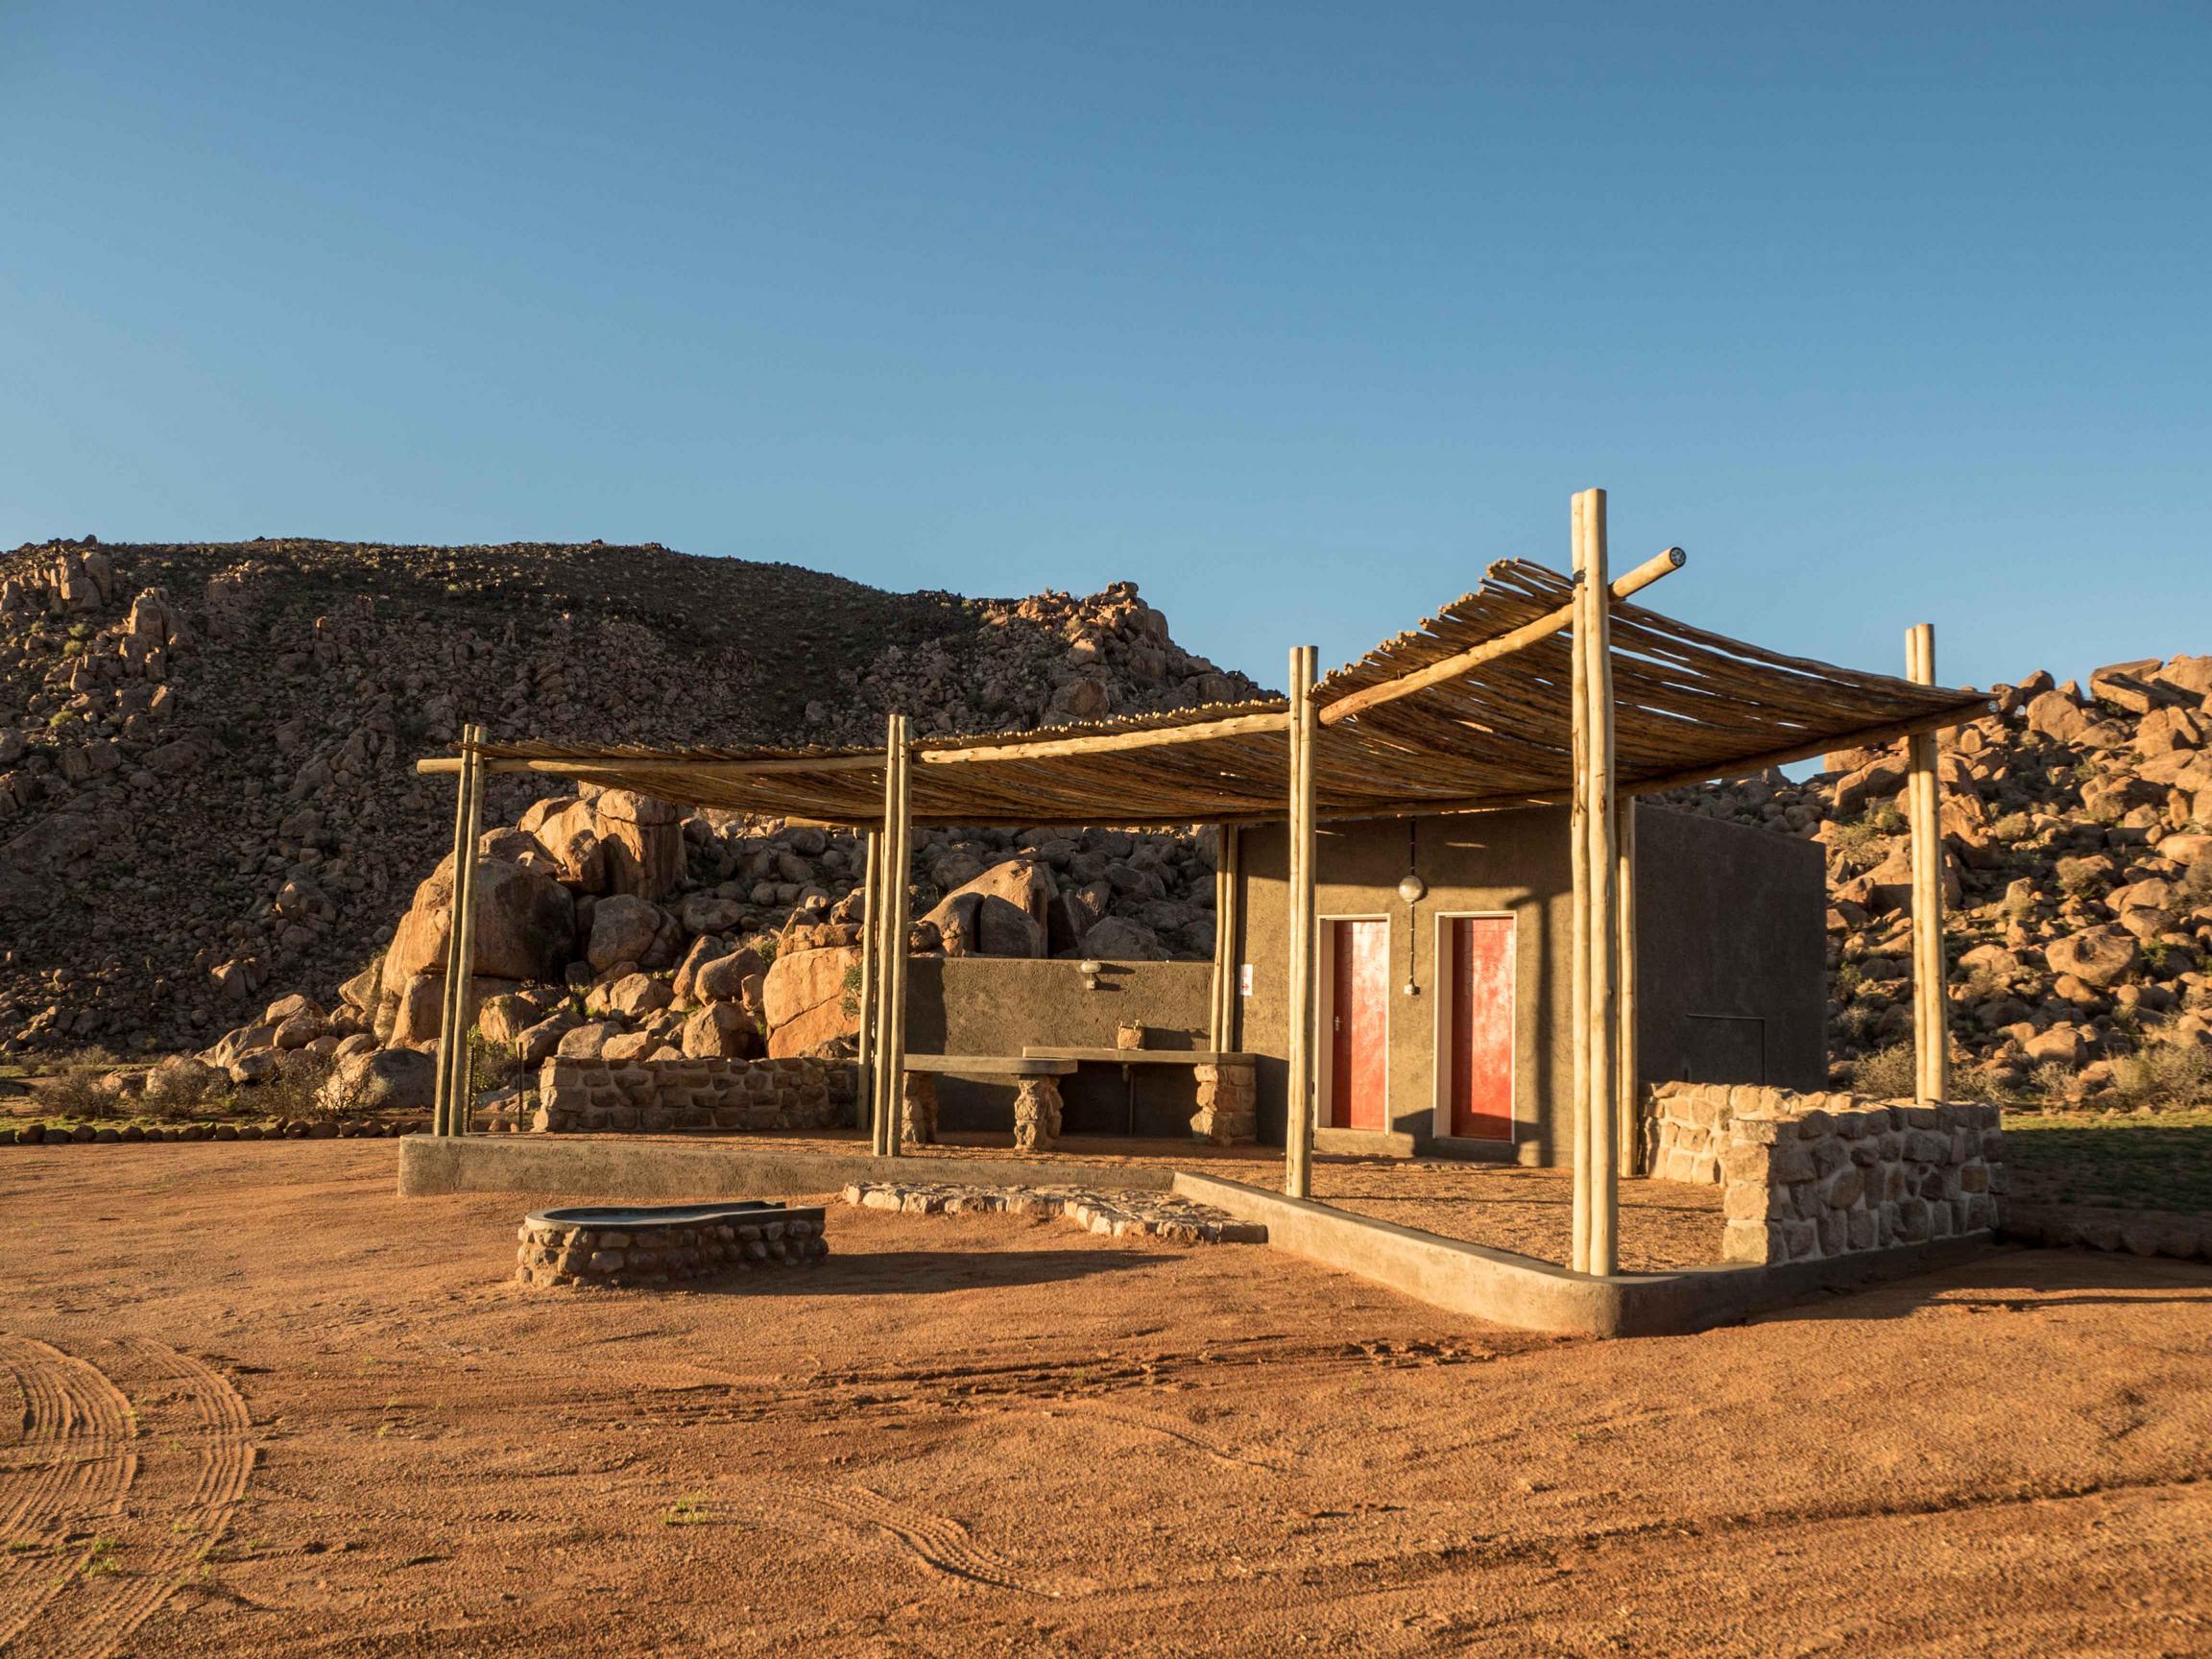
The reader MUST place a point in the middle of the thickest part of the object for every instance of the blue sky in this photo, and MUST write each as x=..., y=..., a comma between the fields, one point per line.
x=1296, y=315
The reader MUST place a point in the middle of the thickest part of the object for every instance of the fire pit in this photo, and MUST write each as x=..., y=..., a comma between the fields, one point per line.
x=665, y=1243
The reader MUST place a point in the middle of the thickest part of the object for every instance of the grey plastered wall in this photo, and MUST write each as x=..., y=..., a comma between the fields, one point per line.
x=1496, y=862
x=1730, y=923
x=1731, y=952
x=998, y=1005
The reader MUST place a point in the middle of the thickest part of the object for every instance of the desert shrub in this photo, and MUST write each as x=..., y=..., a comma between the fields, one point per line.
x=1888, y=820
x=186, y=1096
x=1849, y=977
x=2166, y=959
x=2013, y=826
x=1854, y=1023
x=1886, y=1075
x=2164, y=1074
x=491, y=1066
x=849, y=1002
x=1857, y=843
x=75, y=1091
x=1985, y=1080
x=295, y=1089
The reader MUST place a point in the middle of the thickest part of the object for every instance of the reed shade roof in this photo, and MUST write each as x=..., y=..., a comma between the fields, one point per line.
x=1691, y=704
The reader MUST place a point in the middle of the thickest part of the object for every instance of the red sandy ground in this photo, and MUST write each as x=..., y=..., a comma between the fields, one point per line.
x=271, y=1408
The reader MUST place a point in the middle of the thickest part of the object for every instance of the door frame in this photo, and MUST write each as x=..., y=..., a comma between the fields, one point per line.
x=1440, y=1020
x=1325, y=1012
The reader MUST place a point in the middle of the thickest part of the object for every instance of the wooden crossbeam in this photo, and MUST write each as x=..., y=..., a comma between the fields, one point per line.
x=1490, y=650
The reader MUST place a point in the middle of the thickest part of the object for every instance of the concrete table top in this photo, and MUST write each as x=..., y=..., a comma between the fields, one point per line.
x=1142, y=1056
x=991, y=1065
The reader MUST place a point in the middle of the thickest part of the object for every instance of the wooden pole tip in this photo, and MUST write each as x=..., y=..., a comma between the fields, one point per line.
x=1675, y=557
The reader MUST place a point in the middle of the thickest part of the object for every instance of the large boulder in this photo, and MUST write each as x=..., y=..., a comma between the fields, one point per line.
x=624, y=928
x=2097, y=956
x=705, y=913
x=570, y=837
x=413, y=1007
x=803, y=999
x=586, y=1041
x=736, y=976
x=1005, y=911
x=503, y=1018
x=525, y=924
x=2132, y=685
x=984, y=924
x=1117, y=939
x=634, y=995
x=721, y=1031
x=1878, y=780
x=2055, y=714
x=644, y=841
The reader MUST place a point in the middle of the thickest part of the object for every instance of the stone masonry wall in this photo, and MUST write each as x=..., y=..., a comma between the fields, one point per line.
x=1807, y=1176
x=660, y=1096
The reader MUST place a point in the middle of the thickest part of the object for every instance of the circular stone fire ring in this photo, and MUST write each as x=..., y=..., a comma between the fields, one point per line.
x=665, y=1243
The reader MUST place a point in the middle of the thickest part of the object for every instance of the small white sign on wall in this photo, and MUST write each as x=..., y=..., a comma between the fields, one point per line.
x=1244, y=979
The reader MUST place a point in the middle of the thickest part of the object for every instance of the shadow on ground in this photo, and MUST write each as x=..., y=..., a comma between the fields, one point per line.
x=927, y=1272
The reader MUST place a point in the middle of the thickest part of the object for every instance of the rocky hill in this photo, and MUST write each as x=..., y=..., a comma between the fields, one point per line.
x=206, y=791
x=2078, y=831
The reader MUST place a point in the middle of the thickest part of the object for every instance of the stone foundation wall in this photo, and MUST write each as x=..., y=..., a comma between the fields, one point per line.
x=571, y=1253
x=1809, y=1176
x=661, y=1096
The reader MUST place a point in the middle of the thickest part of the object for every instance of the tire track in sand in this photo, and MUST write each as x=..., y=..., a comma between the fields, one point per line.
x=1157, y=1423
x=63, y=1474
x=939, y=1542
x=193, y=1462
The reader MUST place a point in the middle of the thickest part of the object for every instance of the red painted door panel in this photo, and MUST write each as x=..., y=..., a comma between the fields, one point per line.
x=1481, y=1035
x=1359, y=1031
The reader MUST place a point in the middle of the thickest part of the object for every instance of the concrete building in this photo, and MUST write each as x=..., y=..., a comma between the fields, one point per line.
x=1446, y=1021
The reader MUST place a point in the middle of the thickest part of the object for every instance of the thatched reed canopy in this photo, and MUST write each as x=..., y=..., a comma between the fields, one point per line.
x=1411, y=726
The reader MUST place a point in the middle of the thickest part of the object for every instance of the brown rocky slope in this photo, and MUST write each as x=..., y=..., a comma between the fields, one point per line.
x=206, y=791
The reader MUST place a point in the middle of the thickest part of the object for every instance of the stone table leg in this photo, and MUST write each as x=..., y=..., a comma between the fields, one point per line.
x=918, y=1110
x=1227, y=1104
x=1036, y=1115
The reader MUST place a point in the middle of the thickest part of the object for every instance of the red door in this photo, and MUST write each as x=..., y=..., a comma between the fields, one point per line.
x=1360, y=1027
x=1481, y=1055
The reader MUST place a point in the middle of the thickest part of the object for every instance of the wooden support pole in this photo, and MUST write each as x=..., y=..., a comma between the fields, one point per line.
x=1578, y=876
x=1604, y=1013
x=1594, y=1105
x=464, y=1101
x=1227, y=885
x=881, y=1108
x=871, y=906
x=897, y=860
x=1924, y=814
x=451, y=1115
x=1303, y=1004
x=442, y=1083
x=1628, y=1135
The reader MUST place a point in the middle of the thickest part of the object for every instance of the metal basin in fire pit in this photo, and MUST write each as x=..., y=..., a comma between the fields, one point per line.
x=665, y=1243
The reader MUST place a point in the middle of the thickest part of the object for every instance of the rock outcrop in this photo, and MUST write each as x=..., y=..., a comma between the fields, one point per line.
x=2078, y=842
x=207, y=754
